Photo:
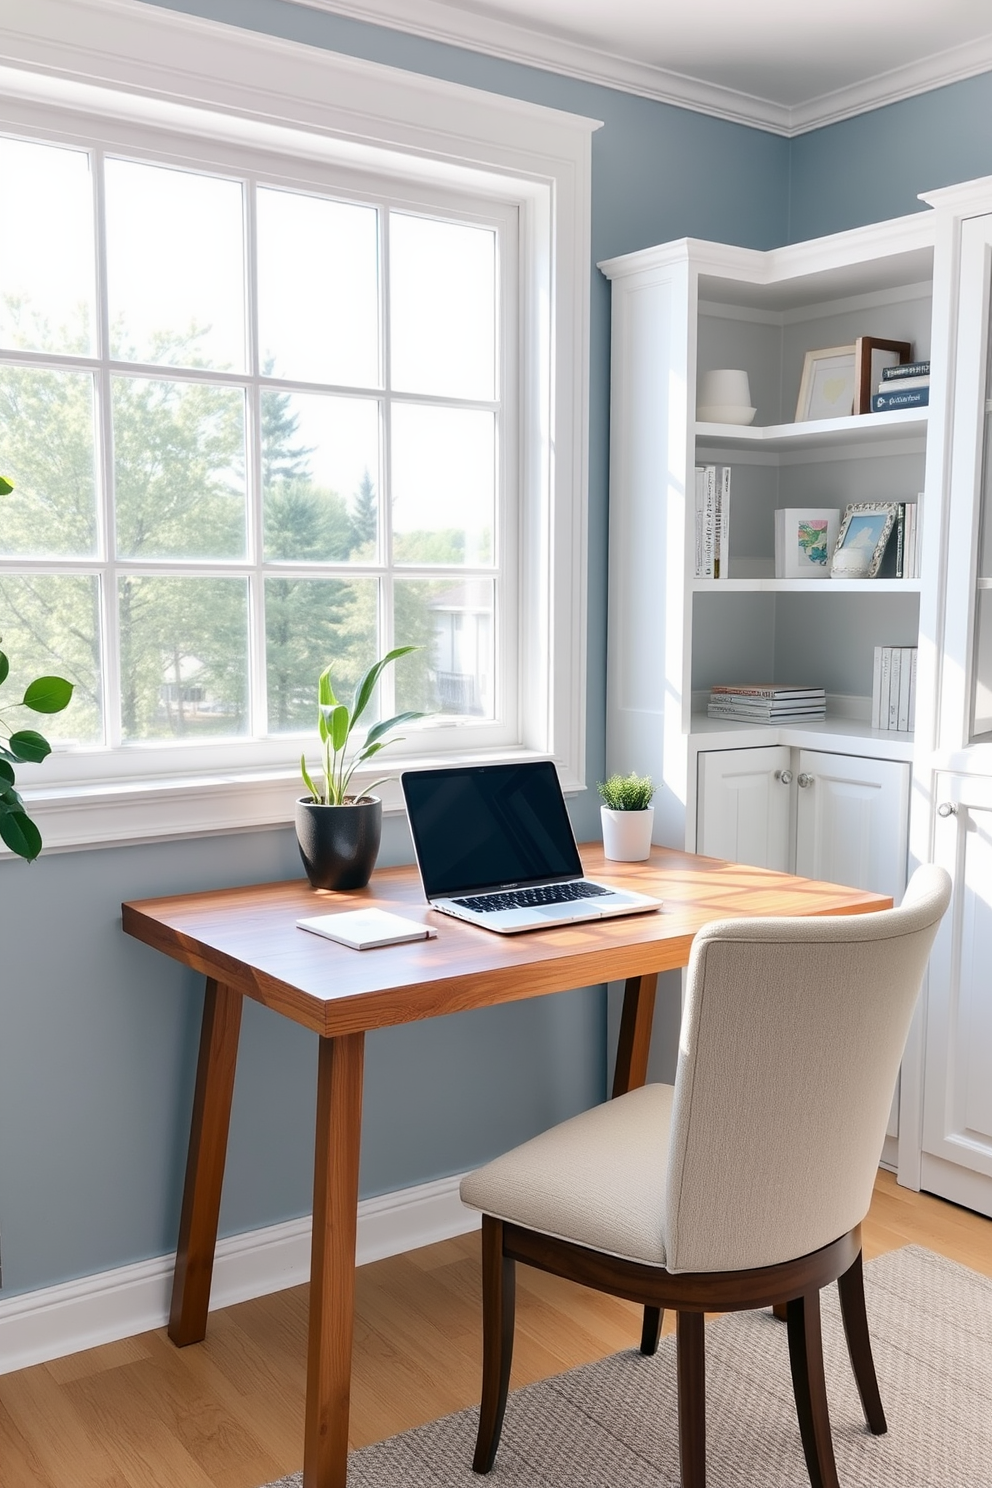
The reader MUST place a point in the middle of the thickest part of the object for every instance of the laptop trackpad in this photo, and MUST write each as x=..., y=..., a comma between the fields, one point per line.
x=571, y=909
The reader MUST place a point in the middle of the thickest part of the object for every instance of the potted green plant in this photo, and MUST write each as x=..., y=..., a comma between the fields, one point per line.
x=24, y=746
x=339, y=832
x=627, y=816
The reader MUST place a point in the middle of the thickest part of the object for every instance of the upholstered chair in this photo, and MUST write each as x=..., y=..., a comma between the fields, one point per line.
x=743, y=1185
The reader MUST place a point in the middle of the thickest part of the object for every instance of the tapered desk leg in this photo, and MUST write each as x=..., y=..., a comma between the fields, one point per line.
x=332, y=1266
x=205, y=1163
x=635, y=1033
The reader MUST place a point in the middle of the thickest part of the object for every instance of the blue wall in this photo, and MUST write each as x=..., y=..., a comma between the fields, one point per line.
x=98, y=1034
x=872, y=167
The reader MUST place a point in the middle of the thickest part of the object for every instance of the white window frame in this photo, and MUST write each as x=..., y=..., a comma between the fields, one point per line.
x=123, y=70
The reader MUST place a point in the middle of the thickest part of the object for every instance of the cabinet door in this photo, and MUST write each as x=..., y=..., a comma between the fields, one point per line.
x=957, y=1101
x=852, y=821
x=743, y=809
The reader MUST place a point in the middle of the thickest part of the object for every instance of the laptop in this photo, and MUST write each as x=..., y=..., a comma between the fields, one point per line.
x=495, y=847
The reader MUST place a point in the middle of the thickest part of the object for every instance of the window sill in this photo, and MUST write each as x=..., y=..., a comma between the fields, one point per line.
x=118, y=813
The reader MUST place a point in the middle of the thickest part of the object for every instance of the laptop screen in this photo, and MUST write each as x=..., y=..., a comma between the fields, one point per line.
x=489, y=826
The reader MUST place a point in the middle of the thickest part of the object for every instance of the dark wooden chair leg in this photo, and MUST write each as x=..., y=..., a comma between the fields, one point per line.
x=498, y=1307
x=851, y=1287
x=781, y=1311
x=690, y=1353
x=806, y=1358
x=651, y=1330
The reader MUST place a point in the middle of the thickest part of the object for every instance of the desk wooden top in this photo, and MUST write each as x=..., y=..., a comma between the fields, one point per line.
x=248, y=939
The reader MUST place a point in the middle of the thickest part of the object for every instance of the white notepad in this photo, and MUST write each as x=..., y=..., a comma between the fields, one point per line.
x=363, y=929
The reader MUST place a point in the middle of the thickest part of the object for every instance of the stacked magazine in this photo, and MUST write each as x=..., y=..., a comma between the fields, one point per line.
x=767, y=702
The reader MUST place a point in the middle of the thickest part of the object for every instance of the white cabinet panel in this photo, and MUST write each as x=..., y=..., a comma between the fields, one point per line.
x=743, y=806
x=957, y=1105
x=852, y=821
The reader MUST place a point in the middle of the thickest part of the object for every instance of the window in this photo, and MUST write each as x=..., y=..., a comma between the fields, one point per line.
x=275, y=398
x=257, y=431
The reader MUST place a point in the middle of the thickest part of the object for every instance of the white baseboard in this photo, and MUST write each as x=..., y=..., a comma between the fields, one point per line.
x=75, y=1315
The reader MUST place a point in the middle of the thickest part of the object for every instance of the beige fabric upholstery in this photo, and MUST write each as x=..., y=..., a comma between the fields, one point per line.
x=598, y=1179
x=792, y=1034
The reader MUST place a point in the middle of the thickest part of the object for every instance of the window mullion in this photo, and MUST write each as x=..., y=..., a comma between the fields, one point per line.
x=387, y=597
x=258, y=690
x=107, y=531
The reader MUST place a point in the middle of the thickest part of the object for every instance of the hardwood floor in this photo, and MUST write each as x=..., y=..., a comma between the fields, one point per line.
x=228, y=1413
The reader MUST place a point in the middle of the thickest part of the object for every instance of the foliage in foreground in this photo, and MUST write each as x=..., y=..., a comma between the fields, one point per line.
x=23, y=746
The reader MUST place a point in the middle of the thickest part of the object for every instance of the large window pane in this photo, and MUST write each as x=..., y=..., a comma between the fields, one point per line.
x=311, y=624
x=50, y=625
x=442, y=307
x=179, y=469
x=184, y=657
x=318, y=289
x=320, y=477
x=46, y=248
x=444, y=485
x=453, y=622
x=175, y=267
x=47, y=450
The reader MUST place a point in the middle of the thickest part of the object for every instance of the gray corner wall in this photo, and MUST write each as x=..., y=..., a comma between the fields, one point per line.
x=98, y=1034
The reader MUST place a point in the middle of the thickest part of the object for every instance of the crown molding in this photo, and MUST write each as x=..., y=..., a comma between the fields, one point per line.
x=438, y=21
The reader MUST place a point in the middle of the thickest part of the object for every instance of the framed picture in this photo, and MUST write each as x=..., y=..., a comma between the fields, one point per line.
x=805, y=538
x=827, y=388
x=864, y=531
x=871, y=354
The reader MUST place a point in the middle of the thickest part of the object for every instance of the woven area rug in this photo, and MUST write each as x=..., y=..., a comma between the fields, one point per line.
x=612, y=1424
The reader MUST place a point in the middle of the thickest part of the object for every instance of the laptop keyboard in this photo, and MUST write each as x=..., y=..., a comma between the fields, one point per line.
x=527, y=898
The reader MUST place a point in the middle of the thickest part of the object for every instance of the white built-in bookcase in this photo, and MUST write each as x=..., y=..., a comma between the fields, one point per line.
x=688, y=307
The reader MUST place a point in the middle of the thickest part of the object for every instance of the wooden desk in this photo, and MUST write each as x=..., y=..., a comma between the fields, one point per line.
x=246, y=943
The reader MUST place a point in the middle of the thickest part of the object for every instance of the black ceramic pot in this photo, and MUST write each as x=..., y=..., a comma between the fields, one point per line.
x=339, y=844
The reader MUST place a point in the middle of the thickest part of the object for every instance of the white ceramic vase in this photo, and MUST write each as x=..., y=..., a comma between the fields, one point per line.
x=627, y=834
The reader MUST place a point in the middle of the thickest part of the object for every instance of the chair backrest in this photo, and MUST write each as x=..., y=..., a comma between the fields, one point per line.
x=792, y=1036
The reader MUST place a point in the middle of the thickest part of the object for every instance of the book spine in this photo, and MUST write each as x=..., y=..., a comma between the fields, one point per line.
x=894, y=672
x=912, y=688
x=884, y=689
x=905, y=674
x=876, y=688
x=709, y=522
x=900, y=539
x=773, y=694
x=907, y=369
x=909, y=563
x=698, y=530
x=723, y=557
x=911, y=398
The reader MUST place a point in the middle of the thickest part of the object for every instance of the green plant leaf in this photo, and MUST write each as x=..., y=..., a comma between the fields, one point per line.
x=47, y=695
x=325, y=692
x=10, y=800
x=377, y=731
x=366, y=686
x=340, y=727
x=20, y=834
x=4, y=668
x=307, y=781
x=29, y=746
x=6, y=772
x=6, y=486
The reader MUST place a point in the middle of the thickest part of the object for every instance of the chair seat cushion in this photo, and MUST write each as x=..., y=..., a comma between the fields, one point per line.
x=598, y=1179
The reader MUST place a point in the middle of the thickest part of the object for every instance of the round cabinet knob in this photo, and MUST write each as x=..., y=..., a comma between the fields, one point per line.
x=947, y=808
x=805, y=780
x=785, y=776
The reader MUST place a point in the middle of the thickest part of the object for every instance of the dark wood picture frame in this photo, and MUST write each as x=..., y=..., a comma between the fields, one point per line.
x=865, y=380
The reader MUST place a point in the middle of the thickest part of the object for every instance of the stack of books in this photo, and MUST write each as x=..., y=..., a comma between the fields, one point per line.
x=907, y=386
x=903, y=545
x=767, y=702
x=712, y=526
x=893, y=688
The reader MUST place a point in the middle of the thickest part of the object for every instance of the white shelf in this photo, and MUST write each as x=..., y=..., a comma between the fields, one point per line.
x=842, y=735
x=865, y=428
x=804, y=586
